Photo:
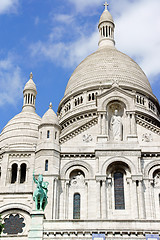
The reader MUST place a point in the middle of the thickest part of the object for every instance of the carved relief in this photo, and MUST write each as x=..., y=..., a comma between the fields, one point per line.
x=87, y=138
x=77, y=180
x=147, y=137
x=157, y=180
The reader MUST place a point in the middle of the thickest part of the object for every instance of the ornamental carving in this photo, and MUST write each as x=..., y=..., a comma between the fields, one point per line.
x=78, y=180
x=157, y=179
x=147, y=137
x=87, y=138
x=14, y=224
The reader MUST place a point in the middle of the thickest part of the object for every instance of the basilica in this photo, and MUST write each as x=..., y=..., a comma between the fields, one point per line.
x=98, y=157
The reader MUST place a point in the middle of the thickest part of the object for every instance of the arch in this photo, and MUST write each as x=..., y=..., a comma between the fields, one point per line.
x=14, y=171
x=13, y=206
x=149, y=166
x=111, y=160
x=112, y=99
x=23, y=169
x=72, y=165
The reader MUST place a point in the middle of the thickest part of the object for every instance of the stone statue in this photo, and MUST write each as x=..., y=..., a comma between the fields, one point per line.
x=116, y=126
x=40, y=194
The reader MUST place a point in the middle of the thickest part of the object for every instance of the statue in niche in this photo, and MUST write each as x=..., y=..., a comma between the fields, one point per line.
x=116, y=126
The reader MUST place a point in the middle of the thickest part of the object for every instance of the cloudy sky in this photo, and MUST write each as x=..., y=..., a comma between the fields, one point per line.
x=51, y=37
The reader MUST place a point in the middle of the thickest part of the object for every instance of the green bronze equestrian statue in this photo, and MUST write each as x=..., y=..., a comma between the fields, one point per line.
x=40, y=194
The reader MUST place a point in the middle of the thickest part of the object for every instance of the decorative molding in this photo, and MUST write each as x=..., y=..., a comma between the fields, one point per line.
x=150, y=126
x=77, y=155
x=19, y=155
x=79, y=130
x=77, y=118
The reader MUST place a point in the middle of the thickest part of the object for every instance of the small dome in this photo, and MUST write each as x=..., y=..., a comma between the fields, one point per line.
x=50, y=117
x=106, y=17
x=21, y=130
x=30, y=85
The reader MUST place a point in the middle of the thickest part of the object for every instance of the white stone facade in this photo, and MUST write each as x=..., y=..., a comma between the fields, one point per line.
x=104, y=146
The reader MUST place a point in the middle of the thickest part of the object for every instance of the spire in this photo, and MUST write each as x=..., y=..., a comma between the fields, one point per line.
x=29, y=95
x=106, y=28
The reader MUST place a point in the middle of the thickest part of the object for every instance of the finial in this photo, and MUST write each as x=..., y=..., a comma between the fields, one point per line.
x=31, y=75
x=106, y=5
x=50, y=105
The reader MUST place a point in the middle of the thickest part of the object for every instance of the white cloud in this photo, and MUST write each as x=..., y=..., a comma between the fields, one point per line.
x=138, y=34
x=10, y=81
x=7, y=6
x=69, y=54
x=63, y=18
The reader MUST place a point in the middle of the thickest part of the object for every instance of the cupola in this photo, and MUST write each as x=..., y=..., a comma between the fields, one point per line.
x=29, y=95
x=49, y=128
x=106, y=28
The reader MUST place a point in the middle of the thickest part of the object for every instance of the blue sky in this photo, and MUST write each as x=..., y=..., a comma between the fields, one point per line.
x=51, y=37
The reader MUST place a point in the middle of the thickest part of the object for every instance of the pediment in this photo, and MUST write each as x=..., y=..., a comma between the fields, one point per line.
x=116, y=94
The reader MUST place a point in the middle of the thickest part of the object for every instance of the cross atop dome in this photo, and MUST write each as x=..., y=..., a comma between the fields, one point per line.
x=31, y=75
x=50, y=106
x=106, y=6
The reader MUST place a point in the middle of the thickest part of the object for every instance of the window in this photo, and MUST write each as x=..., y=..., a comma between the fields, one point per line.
x=76, y=206
x=14, y=173
x=119, y=191
x=46, y=165
x=48, y=134
x=23, y=173
x=55, y=135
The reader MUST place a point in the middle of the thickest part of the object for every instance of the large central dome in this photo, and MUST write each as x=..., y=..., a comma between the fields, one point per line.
x=104, y=67
x=107, y=65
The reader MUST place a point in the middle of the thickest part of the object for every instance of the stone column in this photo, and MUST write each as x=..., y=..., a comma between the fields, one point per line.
x=103, y=199
x=98, y=199
x=134, y=200
x=104, y=124
x=148, y=199
x=36, y=226
x=152, y=198
x=72, y=102
x=55, y=199
x=109, y=195
x=85, y=97
x=133, y=124
x=18, y=175
x=99, y=124
x=141, y=200
x=66, y=199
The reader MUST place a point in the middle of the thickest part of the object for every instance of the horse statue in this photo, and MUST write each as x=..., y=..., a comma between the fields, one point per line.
x=40, y=194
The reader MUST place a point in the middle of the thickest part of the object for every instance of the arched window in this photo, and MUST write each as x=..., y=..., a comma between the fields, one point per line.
x=55, y=135
x=14, y=173
x=48, y=134
x=76, y=206
x=119, y=190
x=46, y=165
x=23, y=173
